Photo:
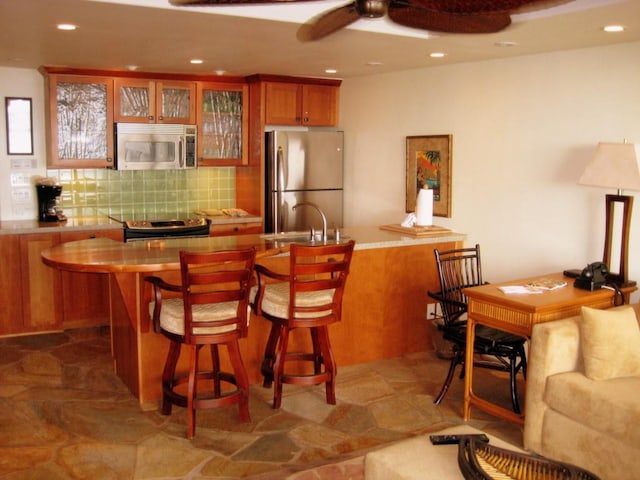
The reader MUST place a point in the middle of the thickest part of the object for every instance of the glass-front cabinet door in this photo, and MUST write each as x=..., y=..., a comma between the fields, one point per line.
x=154, y=101
x=222, y=124
x=80, y=125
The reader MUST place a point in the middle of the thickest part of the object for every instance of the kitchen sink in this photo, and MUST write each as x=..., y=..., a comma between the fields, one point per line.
x=299, y=237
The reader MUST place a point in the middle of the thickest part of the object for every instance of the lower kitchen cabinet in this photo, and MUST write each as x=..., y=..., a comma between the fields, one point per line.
x=86, y=295
x=10, y=285
x=37, y=298
x=221, y=230
x=41, y=286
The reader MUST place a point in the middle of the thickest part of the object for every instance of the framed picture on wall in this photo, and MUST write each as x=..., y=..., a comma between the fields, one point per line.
x=429, y=165
x=19, y=126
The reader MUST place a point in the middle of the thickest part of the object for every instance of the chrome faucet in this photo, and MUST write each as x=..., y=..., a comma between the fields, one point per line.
x=324, y=218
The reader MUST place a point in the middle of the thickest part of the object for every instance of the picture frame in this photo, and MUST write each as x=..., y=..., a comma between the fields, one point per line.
x=429, y=163
x=19, y=122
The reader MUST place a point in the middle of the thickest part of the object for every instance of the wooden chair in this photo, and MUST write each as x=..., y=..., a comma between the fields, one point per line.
x=212, y=310
x=308, y=296
x=459, y=269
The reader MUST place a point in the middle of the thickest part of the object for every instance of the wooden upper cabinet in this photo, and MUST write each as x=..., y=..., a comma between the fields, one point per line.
x=301, y=104
x=223, y=123
x=80, y=121
x=154, y=101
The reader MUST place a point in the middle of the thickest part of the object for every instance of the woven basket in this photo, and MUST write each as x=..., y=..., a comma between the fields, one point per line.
x=482, y=461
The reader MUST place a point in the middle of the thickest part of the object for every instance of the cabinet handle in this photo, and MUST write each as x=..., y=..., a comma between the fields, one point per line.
x=150, y=117
x=109, y=160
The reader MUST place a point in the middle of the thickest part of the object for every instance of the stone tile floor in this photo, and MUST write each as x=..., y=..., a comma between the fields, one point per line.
x=65, y=415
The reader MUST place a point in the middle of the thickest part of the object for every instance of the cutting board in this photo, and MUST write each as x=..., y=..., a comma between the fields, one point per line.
x=416, y=231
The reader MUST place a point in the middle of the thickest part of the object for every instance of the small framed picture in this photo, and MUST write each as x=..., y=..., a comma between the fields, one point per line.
x=19, y=126
x=429, y=166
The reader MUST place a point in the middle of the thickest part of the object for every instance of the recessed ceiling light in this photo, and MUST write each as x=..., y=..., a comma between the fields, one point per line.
x=506, y=43
x=66, y=26
x=437, y=54
x=132, y=68
x=373, y=63
x=196, y=61
x=613, y=28
x=219, y=71
x=331, y=70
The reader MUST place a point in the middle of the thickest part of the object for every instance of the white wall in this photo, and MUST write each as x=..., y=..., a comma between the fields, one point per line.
x=523, y=130
x=17, y=193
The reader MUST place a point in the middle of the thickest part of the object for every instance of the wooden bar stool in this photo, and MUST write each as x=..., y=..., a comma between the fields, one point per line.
x=308, y=296
x=212, y=310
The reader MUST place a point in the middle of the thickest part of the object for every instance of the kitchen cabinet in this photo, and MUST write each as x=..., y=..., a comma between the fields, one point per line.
x=41, y=285
x=220, y=230
x=37, y=298
x=10, y=285
x=301, y=104
x=154, y=101
x=86, y=295
x=222, y=119
x=29, y=290
x=80, y=121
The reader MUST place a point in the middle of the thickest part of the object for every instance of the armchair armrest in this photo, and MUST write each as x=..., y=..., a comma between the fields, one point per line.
x=554, y=348
x=265, y=276
x=158, y=286
x=261, y=270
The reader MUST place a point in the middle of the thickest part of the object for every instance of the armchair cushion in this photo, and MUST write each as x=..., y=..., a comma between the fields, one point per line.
x=611, y=406
x=610, y=341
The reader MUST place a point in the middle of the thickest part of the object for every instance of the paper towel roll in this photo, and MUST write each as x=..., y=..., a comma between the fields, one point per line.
x=424, y=208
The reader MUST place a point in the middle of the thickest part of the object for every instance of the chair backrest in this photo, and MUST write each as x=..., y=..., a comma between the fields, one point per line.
x=457, y=269
x=223, y=278
x=319, y=273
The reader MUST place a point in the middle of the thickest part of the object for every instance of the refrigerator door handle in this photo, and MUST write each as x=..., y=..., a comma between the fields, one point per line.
x=279, y=190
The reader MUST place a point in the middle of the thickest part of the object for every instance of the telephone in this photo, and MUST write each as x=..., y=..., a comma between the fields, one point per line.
x=593, y=276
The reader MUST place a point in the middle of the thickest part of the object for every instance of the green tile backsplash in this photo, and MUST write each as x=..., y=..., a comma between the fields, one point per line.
x=144, y=193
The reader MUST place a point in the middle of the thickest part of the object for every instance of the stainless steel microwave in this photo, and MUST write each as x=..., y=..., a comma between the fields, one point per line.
x=155, y=146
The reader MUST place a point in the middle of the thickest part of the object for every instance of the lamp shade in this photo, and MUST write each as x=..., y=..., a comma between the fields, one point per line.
x=614, y=165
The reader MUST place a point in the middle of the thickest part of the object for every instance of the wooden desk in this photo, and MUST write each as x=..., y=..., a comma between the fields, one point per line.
x=518, y=313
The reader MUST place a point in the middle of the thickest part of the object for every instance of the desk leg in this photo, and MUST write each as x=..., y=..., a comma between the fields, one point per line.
x=468, y=367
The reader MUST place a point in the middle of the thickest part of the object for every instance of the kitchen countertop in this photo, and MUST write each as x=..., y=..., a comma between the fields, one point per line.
x=14, y=227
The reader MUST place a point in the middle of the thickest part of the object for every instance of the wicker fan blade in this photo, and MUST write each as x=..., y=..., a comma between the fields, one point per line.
x=434, y=21
x=187, y=3
x=328, y=23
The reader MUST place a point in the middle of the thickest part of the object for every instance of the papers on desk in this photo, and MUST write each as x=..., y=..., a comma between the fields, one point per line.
x=518, y=289
x=534, y=287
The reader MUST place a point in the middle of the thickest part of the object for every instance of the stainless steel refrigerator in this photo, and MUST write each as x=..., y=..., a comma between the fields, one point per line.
x=303, y=166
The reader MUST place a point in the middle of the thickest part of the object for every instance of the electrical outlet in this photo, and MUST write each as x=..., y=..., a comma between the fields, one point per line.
x=432, y=309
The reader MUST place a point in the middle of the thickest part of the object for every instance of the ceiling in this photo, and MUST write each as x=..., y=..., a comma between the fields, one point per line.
x=158, y=37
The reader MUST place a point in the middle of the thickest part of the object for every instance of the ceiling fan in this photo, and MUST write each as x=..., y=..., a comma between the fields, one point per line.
x=448, y=16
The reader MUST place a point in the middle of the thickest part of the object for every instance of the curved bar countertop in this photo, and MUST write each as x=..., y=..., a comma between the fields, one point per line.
x=102, y=255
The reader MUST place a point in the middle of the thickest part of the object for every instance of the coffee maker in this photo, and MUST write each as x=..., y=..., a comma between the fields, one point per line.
x=48, y=203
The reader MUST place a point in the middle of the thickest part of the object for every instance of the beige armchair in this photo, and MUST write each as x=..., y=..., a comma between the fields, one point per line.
x=574, y=418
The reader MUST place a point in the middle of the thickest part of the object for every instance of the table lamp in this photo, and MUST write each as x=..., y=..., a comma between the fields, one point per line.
x=615, y=165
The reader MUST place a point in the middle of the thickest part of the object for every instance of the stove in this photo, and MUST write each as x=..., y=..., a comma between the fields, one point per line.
x=163, y=228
